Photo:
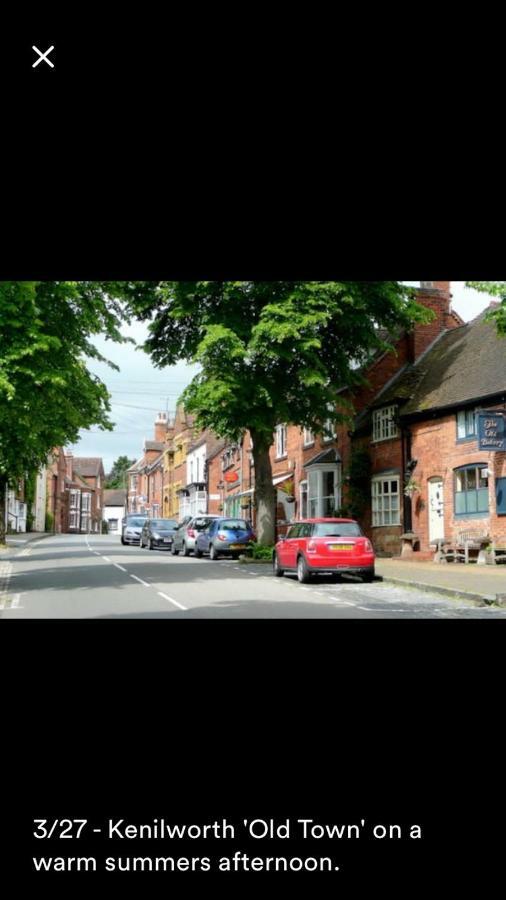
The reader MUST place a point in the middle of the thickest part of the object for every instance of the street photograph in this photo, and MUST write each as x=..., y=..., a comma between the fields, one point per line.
x=252, y=450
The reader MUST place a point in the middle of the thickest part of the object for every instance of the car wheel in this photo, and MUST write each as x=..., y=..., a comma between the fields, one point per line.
x=368, y=577
x=302, y=570
x=186, y=552
x=197, y=552
x=173, y=550
x=277, y=570
x=213, y=553
x=123, y=541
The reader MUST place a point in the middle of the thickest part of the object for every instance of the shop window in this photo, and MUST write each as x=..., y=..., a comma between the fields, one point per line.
x=466, y=425
x=386, y=500
x=471, y=491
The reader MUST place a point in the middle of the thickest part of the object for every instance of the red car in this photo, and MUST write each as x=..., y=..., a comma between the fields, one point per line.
x=317, y=546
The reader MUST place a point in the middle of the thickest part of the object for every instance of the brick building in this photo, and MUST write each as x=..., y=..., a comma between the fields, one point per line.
x=74, y=492
x=90, y=471
x=421, y=431
x=145, y=477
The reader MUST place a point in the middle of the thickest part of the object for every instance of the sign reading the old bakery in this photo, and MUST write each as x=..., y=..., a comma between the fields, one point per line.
x=491, y=431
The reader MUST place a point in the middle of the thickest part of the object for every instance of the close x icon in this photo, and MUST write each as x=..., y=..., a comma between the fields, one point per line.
x=42, y=56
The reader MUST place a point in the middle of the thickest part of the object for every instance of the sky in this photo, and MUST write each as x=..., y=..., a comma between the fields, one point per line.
x=139, y=391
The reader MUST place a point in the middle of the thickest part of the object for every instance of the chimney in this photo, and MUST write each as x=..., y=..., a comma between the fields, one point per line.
x=436, y=296
x=68, y=464
x=161, y=426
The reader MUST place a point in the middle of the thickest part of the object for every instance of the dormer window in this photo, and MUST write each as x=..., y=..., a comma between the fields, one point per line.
x=384, y=423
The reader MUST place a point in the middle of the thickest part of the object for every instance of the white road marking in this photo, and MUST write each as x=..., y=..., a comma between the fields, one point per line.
x=106, y=558
x=171, y=600
x=344, y=602
x=119, y=567
x=306, y=589
x=145, y=583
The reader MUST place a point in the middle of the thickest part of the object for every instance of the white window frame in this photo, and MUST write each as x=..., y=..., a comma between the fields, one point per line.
x=315, y=497
x=85, y=502
x=281, y=441
x=384, y=424
x=381, y=501
x=307, y=437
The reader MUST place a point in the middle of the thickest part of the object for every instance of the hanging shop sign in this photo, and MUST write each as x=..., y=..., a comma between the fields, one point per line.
x=231, y=476
x=491, y=431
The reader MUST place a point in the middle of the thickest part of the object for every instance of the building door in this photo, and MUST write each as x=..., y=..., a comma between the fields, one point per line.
x=436, y=510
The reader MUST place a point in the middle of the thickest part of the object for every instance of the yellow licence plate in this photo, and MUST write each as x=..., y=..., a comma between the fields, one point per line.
x=339, y=547
x=238, y=546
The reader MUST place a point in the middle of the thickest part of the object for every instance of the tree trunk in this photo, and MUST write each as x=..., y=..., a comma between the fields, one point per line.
x=3, y=489
x=264, y=491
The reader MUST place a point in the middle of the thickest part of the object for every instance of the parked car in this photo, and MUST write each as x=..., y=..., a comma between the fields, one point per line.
x=186, y=534
x=131, y=528
x=224, y=535
x=158, y=533
x=318, y=546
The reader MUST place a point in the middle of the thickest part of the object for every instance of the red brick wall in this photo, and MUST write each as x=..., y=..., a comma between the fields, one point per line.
x=434, y=445
x=214, y=478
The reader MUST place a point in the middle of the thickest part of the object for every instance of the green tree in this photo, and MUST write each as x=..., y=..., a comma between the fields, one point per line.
x=47, y=394
x=270, y=353
x=117, y=476
x=497, y=289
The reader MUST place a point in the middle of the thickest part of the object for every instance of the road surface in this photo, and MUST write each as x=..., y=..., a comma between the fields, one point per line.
x=80, y=576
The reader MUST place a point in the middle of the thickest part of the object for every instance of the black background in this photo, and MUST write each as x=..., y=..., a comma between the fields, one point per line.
x=269, y=160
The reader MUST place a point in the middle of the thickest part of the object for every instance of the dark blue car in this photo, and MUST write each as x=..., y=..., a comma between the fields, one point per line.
x=224, y=535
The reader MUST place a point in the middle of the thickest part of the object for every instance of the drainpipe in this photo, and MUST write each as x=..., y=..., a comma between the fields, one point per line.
x=407, y=501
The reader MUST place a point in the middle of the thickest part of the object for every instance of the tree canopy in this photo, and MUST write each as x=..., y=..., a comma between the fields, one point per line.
x=117, y=476
x=271, y=352
x=495, y=289
x=47, y=394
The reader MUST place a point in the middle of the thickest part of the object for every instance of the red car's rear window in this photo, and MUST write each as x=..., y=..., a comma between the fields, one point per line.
x=337, y=529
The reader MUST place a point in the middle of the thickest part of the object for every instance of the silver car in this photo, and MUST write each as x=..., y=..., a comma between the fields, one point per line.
x=132, y=528
x=184, y=538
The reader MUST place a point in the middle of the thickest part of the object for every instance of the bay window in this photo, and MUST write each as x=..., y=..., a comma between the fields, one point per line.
x=323, y=492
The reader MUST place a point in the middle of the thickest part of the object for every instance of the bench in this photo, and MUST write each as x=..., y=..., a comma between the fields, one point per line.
x=498, y=553
x=458, y=550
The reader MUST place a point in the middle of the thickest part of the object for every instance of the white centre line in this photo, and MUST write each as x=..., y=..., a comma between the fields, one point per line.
x=106, y=558
x=145, y=583
x=171, y=600
x=119, y=567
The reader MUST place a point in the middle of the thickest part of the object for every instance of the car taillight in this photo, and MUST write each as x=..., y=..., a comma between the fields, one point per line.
x=222, y=537
x=191, y=532
x=369, y=547
x=311, y=547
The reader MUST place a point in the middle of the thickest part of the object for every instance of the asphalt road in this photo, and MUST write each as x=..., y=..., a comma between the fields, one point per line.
x=78, y=576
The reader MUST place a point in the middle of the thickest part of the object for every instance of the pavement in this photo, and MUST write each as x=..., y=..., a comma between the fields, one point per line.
x=94, y=576
x=473, y=582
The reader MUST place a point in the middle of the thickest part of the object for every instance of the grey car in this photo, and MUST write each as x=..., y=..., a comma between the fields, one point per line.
x=185, y=536
x=131, y=529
